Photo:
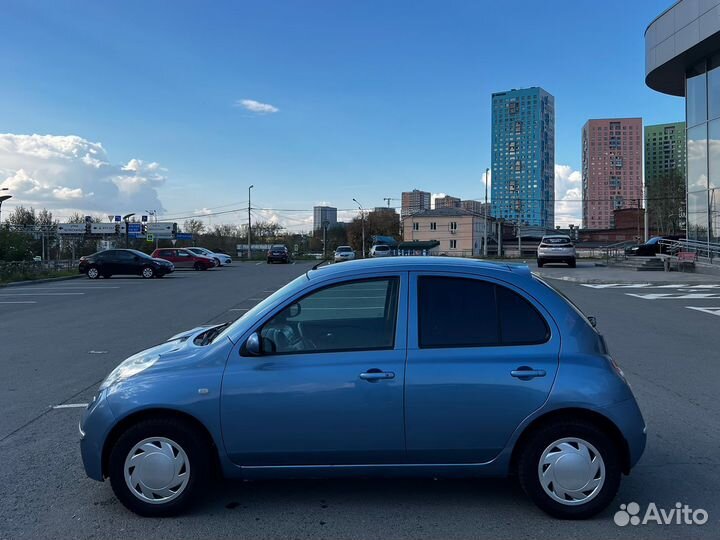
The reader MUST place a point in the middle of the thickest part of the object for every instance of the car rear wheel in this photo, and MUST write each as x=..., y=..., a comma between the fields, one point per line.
x=197, y=266
x=158, y=466
x=540, y=263
x=93, y=272
x=572, y=263
x=148, y=272
x=571, y=470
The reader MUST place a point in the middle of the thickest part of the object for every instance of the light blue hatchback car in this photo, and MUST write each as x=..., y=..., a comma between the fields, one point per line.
x=395, y=366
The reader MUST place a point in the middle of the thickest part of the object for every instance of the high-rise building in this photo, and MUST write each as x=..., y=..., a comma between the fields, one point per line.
x=323, y=214
x=447, y=201
x=682, y=58
x=611, y=169
x=475, y=206
x=414, y=201
x=523, y=157
x=665, y=167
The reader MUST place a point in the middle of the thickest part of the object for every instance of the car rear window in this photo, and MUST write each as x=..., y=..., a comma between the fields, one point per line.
x=460, y=312
x=556, y=240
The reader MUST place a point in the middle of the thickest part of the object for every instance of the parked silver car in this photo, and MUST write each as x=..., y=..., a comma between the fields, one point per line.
x=381, y=250
x=556, y=248
x=344, y=253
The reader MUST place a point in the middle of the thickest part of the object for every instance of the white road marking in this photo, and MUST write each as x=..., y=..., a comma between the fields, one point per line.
x=239, y=309
x=20, y=302
x=43, y=294
x=73, y=288
x=71, y=406
x=649, y=286
x=97, y=352
x=670, y=296
x=258, y=263
x=710, y=310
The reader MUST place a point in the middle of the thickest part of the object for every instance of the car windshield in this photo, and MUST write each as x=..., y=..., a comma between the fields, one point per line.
x=139, y=253
x=343, y=249
x=381, y=248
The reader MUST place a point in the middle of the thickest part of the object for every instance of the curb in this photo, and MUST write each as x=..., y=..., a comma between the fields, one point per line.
x=43, y=280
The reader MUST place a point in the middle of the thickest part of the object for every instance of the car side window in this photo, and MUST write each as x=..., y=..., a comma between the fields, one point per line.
x=352, y=316
x=461, y=312
x=167, y=253
x=456, y=312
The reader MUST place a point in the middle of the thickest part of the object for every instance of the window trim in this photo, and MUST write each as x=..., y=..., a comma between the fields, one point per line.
x=390, y=278
x=483, y=279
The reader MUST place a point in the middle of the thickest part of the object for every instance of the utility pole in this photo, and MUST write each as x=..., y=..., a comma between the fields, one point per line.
x=325, y=227
x=249, y=223
x=485, y=212
x=3, y=198
x=362, y=221
x=127, y=234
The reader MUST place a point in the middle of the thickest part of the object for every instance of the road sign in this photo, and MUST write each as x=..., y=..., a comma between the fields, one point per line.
x=161, y=228
x=143, y=219
x=118, y=218
x=110, y=217
x=134, y=228
x=103, y=228
x=71, y=228
x=136, y=235
x=150, y=237
x=184, y=236
x=173, y=241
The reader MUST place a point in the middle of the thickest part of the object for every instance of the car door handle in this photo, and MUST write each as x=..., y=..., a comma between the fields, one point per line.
x=373, y=375
x=525, y=373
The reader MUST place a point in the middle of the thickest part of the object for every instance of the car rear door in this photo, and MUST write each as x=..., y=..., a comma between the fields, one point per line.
x=482, y=356
x=328, y=388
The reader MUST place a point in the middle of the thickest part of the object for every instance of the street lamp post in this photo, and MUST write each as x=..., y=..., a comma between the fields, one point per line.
x=362, y=221
x=325, y=228
x=249, y=223
x=485, y=208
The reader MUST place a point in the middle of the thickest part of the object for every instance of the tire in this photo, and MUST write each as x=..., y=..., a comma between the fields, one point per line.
x=175, y=441
x=197, y=267
x=217, y=262
x=572, y=263
x=93, y=272
x=584, y=442
x=148, y=272
x=540, y=263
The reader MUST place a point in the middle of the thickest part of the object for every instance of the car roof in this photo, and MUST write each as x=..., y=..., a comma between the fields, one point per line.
x=556, y=236
x=426, y=263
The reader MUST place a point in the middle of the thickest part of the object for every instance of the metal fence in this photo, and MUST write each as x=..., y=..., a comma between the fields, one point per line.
x=23, y=270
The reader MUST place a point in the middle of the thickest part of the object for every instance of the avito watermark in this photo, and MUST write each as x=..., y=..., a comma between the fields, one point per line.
x=680, y=514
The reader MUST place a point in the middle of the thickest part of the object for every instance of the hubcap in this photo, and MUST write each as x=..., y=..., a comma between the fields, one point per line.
x=147, y=272
x=571, y=471
x=157, y=470
x=93, y=273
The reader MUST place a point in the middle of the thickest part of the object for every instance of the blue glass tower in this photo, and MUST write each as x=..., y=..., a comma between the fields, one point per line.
x=523, y=157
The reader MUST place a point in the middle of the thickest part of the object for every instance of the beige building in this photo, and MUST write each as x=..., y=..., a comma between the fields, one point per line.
x=448, y=201
x=459, y=231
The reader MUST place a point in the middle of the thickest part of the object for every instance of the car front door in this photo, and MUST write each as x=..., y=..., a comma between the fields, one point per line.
x=327, y=388
x=185, y=259
x=470, y=340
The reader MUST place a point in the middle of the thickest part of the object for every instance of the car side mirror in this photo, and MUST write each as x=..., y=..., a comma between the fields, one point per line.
x=252, y=345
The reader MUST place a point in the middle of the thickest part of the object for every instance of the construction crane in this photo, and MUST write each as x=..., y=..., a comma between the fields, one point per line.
x=389, y=199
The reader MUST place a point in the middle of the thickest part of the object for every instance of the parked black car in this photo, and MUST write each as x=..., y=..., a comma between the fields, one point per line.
x=652, y=247
x=278, y=253
x=123, y=261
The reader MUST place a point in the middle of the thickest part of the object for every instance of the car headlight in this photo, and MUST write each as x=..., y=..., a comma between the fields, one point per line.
x=129, y=368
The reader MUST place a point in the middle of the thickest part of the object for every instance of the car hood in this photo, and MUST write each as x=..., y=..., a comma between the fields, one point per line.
x=159, y=260
x=177, y=350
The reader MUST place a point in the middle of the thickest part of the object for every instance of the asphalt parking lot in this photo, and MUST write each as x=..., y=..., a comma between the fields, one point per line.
x=60, y=339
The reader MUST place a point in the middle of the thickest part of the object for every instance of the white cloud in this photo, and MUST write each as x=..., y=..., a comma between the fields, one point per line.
x=568, y=194
x=71, y=173
x=256, y=106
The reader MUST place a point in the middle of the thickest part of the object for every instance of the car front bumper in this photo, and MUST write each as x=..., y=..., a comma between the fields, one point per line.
x=95, y=424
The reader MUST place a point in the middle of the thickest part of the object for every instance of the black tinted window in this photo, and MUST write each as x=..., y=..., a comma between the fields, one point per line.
x=520, y=323
x=456, y=312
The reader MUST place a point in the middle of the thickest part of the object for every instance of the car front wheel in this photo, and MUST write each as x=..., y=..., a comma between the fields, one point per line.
x=571, y=470
x=93, y=272
x=148, y=272
x=158, y=466
x=572, y=263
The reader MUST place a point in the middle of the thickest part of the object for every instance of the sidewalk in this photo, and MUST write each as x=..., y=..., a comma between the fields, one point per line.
x=587, y=272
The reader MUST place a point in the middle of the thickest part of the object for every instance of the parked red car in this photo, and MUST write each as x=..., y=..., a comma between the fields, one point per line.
x=184, y=258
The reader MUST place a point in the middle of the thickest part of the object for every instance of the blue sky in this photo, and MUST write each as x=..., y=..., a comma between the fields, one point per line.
x=372, y=97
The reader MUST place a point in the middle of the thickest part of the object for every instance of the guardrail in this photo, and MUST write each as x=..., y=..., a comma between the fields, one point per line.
x=616, y=251
x=706, y=251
